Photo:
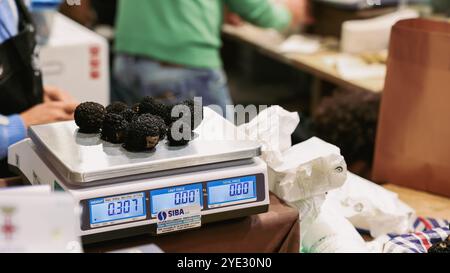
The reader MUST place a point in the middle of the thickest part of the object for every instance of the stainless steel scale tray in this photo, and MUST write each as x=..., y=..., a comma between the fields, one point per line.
x=81, y=158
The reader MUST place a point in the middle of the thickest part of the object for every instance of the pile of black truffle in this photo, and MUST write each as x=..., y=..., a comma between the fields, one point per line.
x=140, y=127
x=441, y=247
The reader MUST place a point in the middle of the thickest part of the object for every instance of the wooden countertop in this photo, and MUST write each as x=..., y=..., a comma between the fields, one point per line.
x=425, y=204
x=268, y=41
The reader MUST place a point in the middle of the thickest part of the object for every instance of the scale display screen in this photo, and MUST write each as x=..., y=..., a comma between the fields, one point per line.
x=231, y=191
x=117, y=209
x=176, y=197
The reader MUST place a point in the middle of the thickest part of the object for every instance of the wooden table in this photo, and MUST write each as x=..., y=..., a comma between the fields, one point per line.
x=268, y=41
x=425, y=204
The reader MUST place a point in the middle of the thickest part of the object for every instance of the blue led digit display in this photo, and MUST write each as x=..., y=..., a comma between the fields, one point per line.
x=117, y=208
x=176, y=197
x=231, y=190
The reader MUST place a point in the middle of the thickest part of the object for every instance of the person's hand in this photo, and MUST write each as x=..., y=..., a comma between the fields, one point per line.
x=300, y=10
x=83, y=13
x=48, y=112
x=233, y=19
x=52, y=93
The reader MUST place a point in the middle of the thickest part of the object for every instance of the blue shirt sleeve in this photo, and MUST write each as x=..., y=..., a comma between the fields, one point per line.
x=11, y=131
x=8, y=20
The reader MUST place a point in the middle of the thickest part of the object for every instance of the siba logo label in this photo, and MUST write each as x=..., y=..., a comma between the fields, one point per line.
x=177, y=212
x=163, y=215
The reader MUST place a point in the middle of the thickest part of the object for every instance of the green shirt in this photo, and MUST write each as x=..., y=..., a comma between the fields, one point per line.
x=187, y=32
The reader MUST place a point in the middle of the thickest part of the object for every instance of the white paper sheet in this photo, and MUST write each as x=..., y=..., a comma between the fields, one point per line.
x=39, y=223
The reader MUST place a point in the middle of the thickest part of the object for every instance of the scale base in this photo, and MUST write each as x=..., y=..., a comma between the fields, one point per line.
x=149, y=231
x=27, y=161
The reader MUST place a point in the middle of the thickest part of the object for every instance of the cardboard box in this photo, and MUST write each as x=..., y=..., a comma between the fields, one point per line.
x=371, y=35
x=77, y=60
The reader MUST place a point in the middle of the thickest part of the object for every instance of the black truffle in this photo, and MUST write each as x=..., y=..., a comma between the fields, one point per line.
x=156, y=120
x=142, y=135
x=150, y=106
x=129, y=115
x=116, y=107
x=177, y=135
x=196, y=112
x=114, y=128
x=441, y=247
x=89, y=117
x=136, y=107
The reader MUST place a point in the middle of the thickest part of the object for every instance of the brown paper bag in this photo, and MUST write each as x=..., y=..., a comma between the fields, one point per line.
x=413, y=138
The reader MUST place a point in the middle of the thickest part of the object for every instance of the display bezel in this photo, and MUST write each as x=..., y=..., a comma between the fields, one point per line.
x=86, y=211
x=222, y=182
x=164, y=191
x=85, y=218
x=121, y=220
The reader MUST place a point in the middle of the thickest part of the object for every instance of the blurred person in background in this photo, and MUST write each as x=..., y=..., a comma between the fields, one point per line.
x=170, y=49
x=23, y=100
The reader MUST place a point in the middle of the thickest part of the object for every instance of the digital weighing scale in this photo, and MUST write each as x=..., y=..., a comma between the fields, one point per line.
x=124, y=194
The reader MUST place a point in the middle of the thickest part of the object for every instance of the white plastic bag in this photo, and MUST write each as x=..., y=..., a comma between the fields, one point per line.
x=307, y=171
x=313, y=178
x=273, y=127
x=300, y=175
x=371, y=207
x=330, y=232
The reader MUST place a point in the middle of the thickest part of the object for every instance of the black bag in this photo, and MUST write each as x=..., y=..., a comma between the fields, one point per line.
x=20, y=80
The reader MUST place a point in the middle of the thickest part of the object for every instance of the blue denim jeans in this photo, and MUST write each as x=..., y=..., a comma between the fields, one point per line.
x=135, y=77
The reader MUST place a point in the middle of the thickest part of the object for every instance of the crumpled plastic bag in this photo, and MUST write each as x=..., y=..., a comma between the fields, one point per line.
x=312, y=178
x=309, y=169
x=331, y=232
x=371, y=207
x=300, y=175
x=215, y=127
x=273, y=127
x=305, y=173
